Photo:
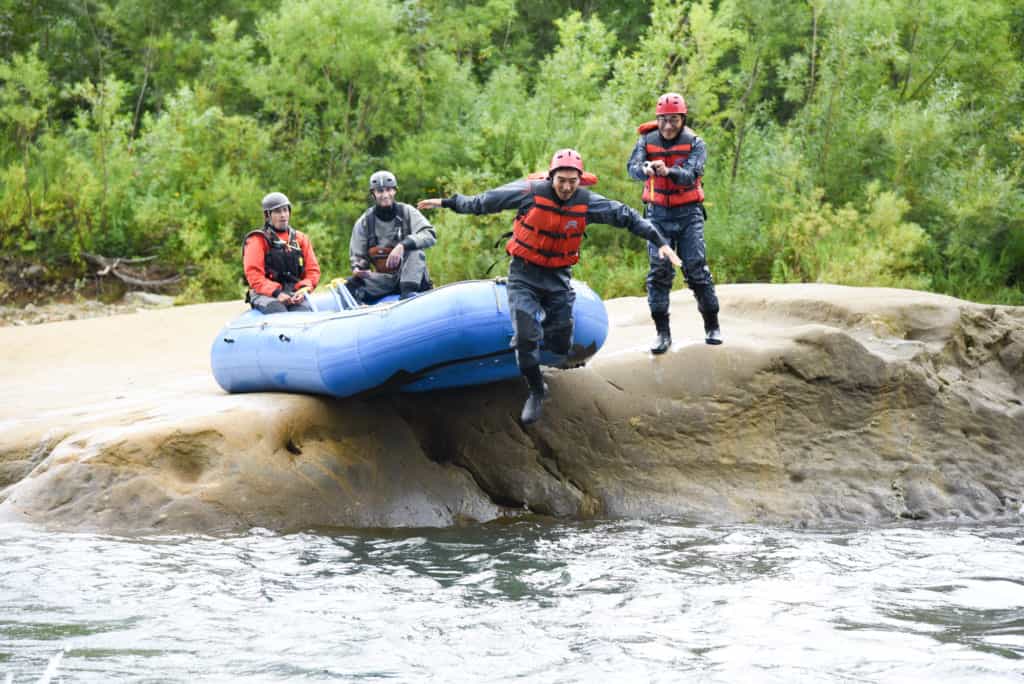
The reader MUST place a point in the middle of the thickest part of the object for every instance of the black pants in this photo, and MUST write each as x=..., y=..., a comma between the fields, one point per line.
x=683, y=227
x=541, y=301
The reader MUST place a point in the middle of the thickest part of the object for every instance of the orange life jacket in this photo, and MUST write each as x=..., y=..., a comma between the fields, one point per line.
x=662, y=190
x=549, y=233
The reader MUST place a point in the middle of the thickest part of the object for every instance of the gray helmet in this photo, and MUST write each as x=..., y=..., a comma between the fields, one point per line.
x=275, y=200
x=383, y=179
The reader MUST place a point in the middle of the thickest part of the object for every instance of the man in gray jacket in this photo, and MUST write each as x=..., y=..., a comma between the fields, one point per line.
x=391, y=237
x=547, y=232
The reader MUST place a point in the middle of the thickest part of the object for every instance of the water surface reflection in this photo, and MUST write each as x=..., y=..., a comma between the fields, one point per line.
x=530, y=601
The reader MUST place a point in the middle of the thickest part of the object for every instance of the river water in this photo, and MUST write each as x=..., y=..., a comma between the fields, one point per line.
x=532, y=601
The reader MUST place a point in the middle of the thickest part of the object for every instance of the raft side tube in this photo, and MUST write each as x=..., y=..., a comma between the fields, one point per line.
x=452, y=336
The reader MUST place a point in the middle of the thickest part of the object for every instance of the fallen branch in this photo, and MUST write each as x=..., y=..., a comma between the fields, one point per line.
x=114, y=267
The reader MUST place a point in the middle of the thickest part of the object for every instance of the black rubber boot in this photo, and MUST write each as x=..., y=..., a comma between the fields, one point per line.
x=712, y=332
x=663, y=341
x=534, y=406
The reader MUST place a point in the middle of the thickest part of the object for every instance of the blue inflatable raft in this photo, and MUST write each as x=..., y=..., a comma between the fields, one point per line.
x=451, y=336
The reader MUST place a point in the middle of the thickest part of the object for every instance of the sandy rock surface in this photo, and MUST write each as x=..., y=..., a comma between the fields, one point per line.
x=825, y=404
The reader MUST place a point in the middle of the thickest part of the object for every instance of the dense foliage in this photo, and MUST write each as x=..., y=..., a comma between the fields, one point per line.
x=865, y=142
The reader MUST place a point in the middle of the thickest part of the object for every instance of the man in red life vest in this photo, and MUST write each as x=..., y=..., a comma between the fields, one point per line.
x=551, y=218
x=670, y=162
x=280, y=265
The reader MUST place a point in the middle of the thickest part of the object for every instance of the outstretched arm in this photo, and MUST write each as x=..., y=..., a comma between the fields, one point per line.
x=604, y=210
x=432, y=203
x=510, y=196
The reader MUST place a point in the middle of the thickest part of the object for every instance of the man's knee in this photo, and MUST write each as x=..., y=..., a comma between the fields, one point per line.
x=407, y=288
x=661, y=272
x=558, y=337
x=659, y=285
x=527, y=339
x=707, y=300
x=660, y=279
x=414, y=266
x=271, y=306
x=527, y=331
x=696, y=272
x=357, y=287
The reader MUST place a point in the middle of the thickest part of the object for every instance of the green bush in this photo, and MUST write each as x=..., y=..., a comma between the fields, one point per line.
x=864, y=144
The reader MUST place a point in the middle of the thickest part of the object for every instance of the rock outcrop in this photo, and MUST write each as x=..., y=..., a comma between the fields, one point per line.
x=826, y=404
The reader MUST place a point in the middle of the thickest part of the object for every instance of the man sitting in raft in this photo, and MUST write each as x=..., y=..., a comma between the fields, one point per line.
x=392, y=238
x=280, y=265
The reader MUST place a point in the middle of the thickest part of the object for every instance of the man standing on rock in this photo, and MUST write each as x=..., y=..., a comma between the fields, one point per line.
x=551, y=218
x=392, y=237
x=670, y=160
x=280, y=265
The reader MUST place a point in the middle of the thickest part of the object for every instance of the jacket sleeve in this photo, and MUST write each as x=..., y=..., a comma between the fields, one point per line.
x=603, y=210
x=690, y=170
x=359, y=246
x=421, y=234
x=635, y=165
x=255, y=269
x=311, y=272
x=510, y=196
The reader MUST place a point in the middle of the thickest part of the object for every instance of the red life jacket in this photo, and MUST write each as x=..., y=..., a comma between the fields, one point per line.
x=283, y=260
x=662, y=190
x=549, y=233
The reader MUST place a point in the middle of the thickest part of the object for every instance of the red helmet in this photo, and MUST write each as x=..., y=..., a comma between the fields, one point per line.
x=671, y=103
x=566, y=159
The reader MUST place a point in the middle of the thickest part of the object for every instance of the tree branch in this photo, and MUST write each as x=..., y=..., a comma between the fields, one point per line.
x=109, y=266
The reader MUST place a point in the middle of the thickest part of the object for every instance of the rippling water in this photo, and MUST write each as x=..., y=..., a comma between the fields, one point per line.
x=529, y=601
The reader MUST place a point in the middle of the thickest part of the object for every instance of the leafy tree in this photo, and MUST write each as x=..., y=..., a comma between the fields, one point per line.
x=25, y=93
x=868, y=143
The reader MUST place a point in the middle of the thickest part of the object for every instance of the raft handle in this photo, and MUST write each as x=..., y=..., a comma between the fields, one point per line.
x=229, y=340
x=284, y=338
